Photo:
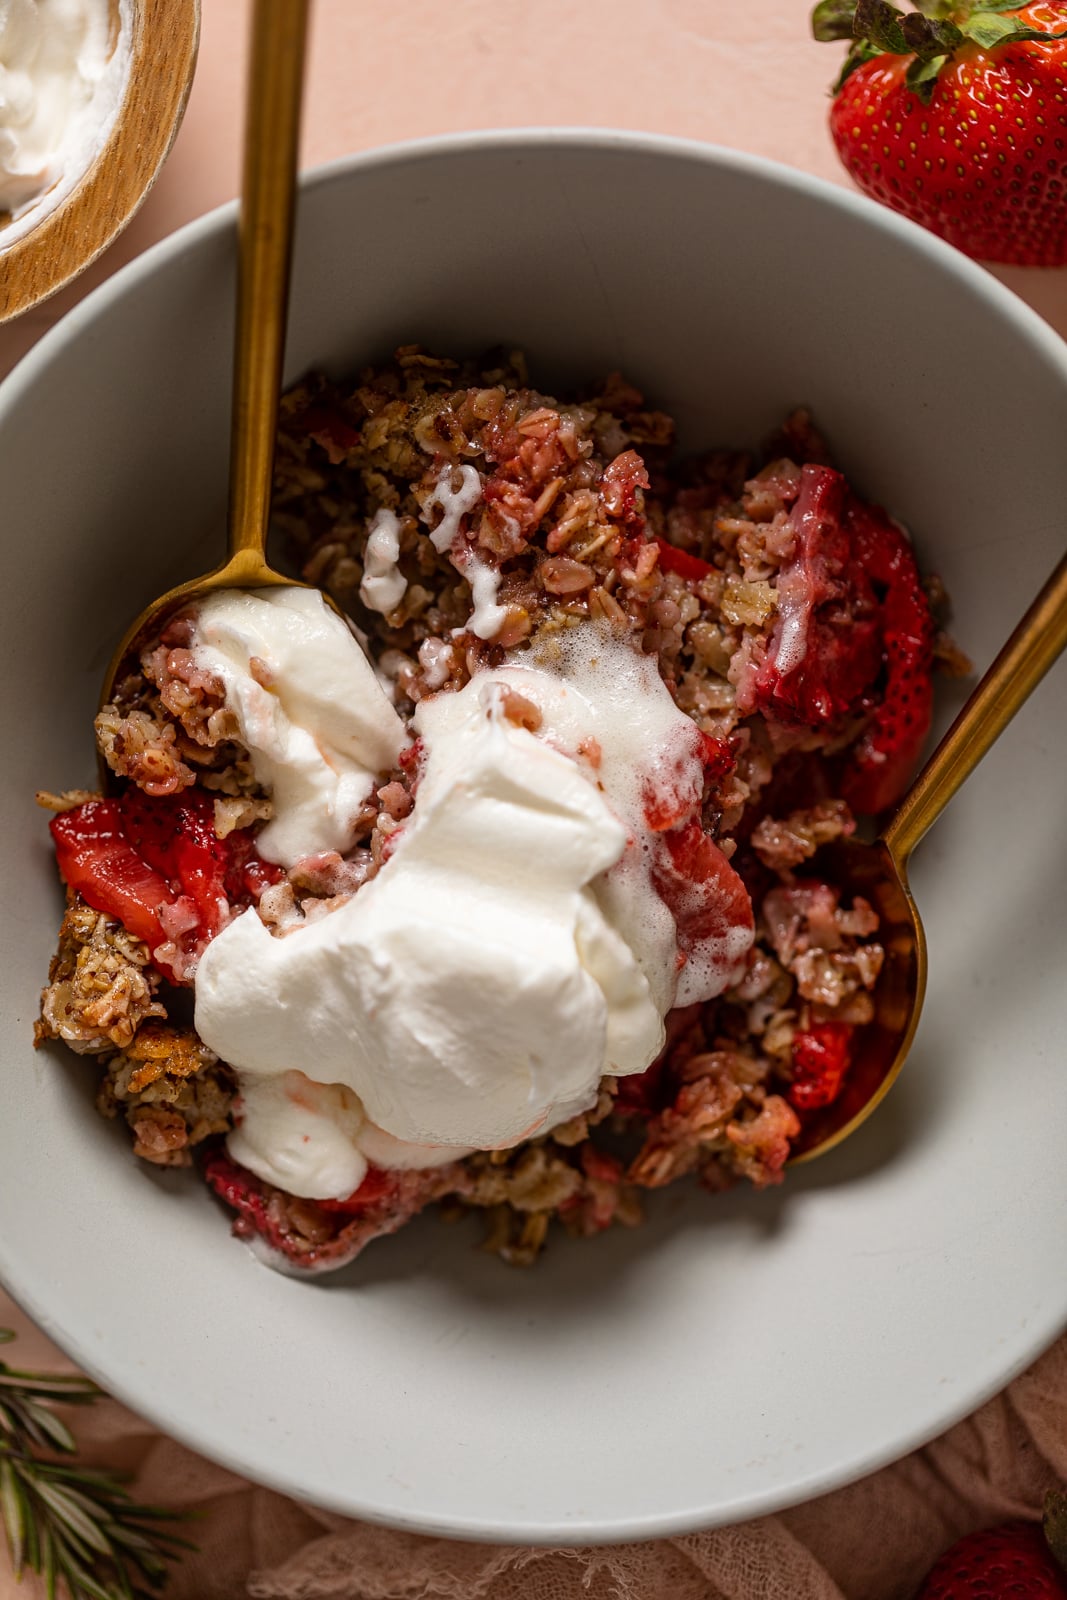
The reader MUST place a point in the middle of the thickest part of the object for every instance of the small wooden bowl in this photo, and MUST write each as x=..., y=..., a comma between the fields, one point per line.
x=163, y=42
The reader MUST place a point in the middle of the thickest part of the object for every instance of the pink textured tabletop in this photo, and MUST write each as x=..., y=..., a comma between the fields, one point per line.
x=740, y=75
x=743, y=75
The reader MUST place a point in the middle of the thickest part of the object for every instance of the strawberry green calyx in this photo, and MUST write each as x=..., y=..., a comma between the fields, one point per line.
x=931, y=35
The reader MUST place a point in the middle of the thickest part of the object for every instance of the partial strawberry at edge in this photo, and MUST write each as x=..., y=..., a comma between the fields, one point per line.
x=1012, y=1559
x=955, y=117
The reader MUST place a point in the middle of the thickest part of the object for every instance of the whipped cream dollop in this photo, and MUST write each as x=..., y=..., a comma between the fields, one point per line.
x=63, y=67
x=309, y=706
x=511, y=950
x=314, y=1139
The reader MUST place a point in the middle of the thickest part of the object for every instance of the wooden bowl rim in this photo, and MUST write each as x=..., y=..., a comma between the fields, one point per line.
x=115, y=185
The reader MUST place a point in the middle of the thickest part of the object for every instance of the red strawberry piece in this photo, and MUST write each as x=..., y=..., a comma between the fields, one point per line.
x=885, y=758
x=332, y=431
x=825, y=649
x=248, y=876
x=641, y=1094
x=672, y=797
x=176, y=835
x=243, y=1192
x=850, y=598
x=700, y=888
x=382, y=1203
x=157, y=866
x=1010, y=1560
x=98, y=861
x=955, y=116
x=821, y=1059
x=719, y=760
x=687, y=566
x=598, y=1164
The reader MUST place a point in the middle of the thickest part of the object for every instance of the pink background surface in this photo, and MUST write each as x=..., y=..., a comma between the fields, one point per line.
x=744, y=75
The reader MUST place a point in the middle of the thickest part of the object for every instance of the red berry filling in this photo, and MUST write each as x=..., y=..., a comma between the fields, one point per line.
x=821, y=1059
x=157, y=866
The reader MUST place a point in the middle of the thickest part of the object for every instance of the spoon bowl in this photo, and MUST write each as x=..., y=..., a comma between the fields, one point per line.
x=870, y=870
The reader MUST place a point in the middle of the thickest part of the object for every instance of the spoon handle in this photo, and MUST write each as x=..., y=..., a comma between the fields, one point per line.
x=268, y=193
x=1036, y=643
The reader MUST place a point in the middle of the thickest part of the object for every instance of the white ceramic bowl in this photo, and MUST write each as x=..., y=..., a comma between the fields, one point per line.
x=739, y=1353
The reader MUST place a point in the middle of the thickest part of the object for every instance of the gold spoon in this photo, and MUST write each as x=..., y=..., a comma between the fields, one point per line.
x=268, y=191
x=879, y=871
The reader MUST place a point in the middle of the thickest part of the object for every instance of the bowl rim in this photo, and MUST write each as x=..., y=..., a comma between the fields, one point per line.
x=146, y=1400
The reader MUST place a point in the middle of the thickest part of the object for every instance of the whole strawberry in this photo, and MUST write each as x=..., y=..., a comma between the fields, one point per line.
x=1015, y=1559
x=956, y=115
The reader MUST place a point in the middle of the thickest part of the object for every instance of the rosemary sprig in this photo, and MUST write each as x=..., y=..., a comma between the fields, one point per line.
x=69, y=1524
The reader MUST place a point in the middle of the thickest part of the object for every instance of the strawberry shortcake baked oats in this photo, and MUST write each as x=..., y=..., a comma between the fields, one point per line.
x=495, y=882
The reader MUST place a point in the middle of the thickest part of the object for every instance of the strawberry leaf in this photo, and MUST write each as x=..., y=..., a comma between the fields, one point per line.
x=928, y=38
x=988, y=29
x=879, y=23
x=939, y=9
x=832, y=19
x=921, y=77
x=994, y=5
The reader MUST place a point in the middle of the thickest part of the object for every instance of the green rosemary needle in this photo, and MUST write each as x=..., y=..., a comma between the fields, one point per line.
x=73, y=1526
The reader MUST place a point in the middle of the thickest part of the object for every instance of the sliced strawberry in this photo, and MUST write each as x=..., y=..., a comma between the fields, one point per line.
x=242, y=1191
x=599, y=1165
x=854, y=636
x=709, y=903
x=687, y=566
x=98, y=861
x=825, y=650
x=821, y=1058
x=886, y=755
x=157, y=866
x=176, y=835
x=663, y=808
